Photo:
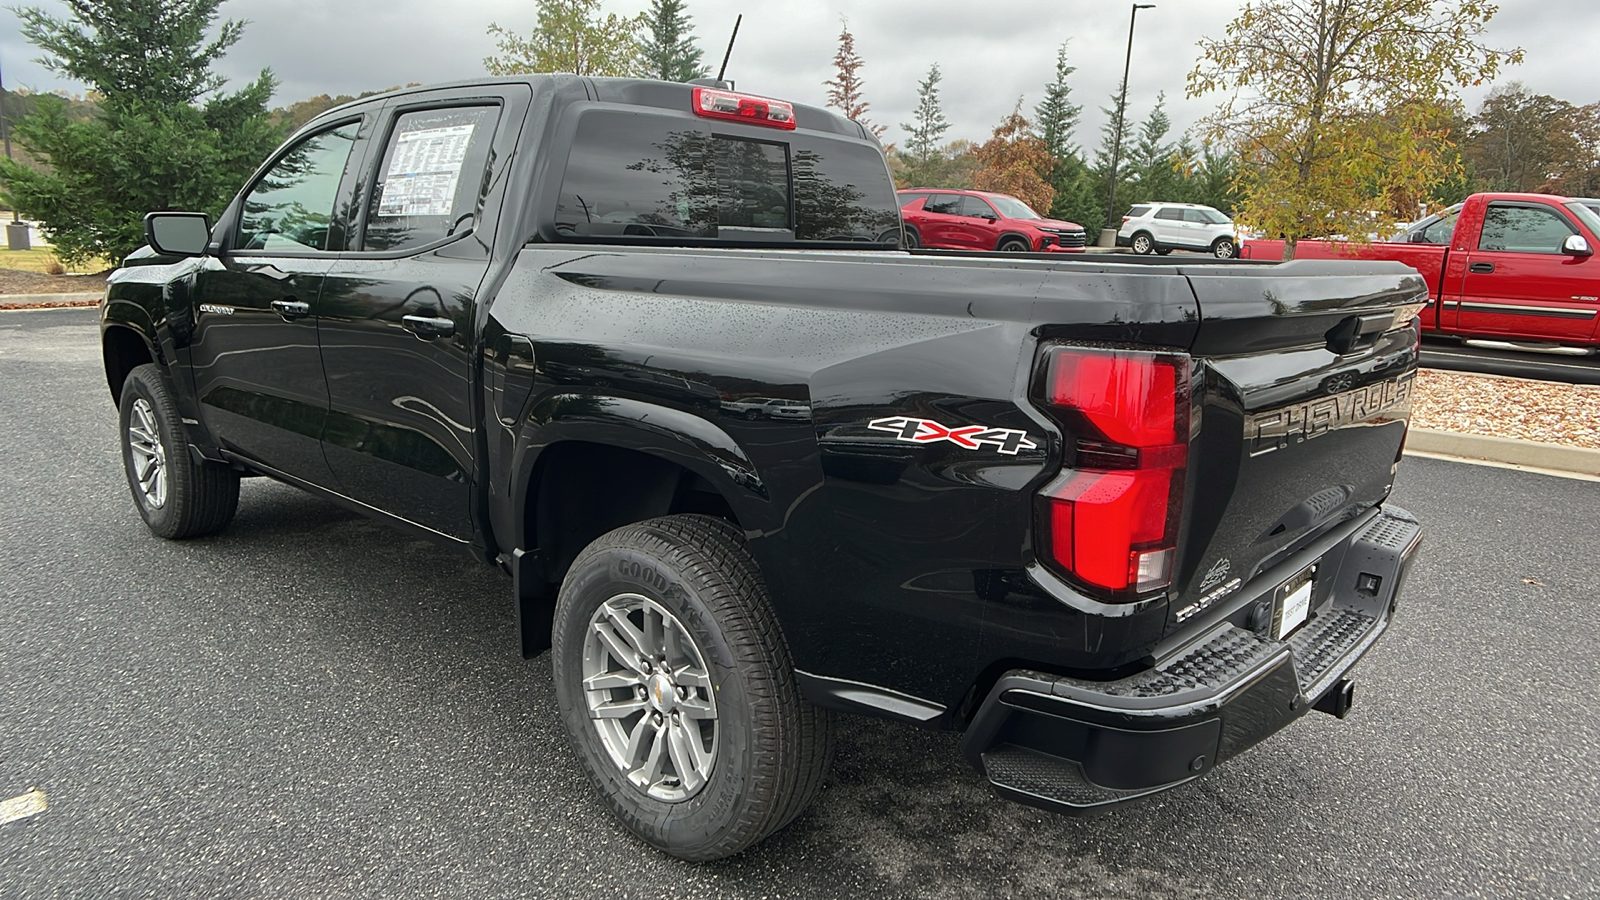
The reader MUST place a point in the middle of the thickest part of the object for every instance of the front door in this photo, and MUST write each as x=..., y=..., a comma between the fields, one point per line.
x=1519, y=283
x=257, y=369
x=398, y=313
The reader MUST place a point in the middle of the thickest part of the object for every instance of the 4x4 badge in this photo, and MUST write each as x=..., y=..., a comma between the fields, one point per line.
x=972, y=437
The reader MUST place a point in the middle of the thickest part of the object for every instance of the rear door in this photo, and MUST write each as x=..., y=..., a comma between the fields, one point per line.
x=397, y=313
x=1168, y=226
x=1519, y=283
x=256, y=363
x=941, y=221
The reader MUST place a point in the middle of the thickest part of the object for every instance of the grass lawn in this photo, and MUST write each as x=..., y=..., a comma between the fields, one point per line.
x=38, y=260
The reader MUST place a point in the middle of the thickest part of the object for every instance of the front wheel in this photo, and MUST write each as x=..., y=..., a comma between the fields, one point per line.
x=176, y=495
x=1224, y=248
x=678, y=692
x=1142, y=244
x=1014, y=245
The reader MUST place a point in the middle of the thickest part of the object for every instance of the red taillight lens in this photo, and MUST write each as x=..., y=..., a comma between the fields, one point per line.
x=714, y=104
x=1110, y=521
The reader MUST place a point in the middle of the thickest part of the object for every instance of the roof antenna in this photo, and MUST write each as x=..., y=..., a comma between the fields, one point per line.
x=731, y=38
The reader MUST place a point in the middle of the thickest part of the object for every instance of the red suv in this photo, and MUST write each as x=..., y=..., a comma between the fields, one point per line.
x=978, y=220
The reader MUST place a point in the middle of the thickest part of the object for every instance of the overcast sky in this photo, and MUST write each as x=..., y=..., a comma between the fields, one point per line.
x=990, y=53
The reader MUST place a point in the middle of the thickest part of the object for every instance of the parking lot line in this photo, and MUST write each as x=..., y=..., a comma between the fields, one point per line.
x=21, y=807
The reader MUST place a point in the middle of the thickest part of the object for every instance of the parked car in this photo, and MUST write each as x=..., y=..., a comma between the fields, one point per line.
x=979, y=220
x=768, y=407
x=1500, y=266
x=1112, y=537
x=1592, y=203
x=1165, y=227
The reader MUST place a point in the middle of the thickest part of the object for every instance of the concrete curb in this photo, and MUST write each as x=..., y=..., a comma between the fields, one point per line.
x=1532, y=454
x=33, y=301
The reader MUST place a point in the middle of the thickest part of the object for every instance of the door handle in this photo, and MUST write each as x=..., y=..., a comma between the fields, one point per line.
x=1481, y=268
x=291, y=309
x=428, y=327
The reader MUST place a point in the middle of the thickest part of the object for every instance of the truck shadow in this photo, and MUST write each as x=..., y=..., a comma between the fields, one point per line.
x=902, y=815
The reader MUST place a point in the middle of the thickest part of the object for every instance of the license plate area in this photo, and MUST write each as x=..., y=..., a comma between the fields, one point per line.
x=1291, y=602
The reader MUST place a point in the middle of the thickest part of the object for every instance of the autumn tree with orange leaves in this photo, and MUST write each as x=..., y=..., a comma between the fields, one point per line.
x=1013, y=161
x=844, y=89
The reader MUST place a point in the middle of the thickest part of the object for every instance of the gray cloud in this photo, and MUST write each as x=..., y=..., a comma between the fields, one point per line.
x=990, y=53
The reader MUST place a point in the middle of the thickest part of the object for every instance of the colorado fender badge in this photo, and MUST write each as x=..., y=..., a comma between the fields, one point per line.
x=970, y=437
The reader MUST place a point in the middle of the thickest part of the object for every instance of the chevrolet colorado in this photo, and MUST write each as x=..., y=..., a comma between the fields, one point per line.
x=1114, y=521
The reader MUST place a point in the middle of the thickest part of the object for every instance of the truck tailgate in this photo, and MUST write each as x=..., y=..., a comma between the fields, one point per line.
x=1302, y=396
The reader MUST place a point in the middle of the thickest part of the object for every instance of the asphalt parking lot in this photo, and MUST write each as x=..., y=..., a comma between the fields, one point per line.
x=311, y=705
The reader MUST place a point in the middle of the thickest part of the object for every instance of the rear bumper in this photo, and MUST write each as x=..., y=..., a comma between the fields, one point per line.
x=1074, y=745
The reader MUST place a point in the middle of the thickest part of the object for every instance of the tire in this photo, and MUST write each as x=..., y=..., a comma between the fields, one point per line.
x=1142, y=244
x=176, y=496
x=1014, y=245
x=1163, y=251
x=1224, y=248
x=913, y=240
x=754, y=754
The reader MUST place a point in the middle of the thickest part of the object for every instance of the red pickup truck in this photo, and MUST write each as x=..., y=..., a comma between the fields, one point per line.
x=1511, y=267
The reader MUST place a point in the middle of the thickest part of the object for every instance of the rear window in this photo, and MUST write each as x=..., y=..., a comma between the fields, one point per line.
x=634, y=176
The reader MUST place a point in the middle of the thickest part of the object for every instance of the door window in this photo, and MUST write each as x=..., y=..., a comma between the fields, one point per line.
x=976, y=208
x=1170, y=214
x=291, y=209
x=432, y=177
x=944, y=204
x=1440, y=231
x=1197, y=216
x=1524, y=229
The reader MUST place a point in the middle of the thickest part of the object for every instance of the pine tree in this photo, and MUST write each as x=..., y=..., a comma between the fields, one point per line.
x=669, y=52
x=159, y=142
x=1151, y=163
x=844, y=89
x=922, y=148
x=1056, y=116
x=1108, y=150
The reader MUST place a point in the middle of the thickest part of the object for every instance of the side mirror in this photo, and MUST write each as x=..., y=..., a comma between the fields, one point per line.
x=1419, y=237
x=1576, y=245
x=177, y=233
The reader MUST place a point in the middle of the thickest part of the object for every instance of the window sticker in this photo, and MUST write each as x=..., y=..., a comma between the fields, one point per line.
x=424, y=170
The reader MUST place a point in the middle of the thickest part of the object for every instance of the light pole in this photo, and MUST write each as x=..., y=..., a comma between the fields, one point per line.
x=1108, y=235
x=16, y=232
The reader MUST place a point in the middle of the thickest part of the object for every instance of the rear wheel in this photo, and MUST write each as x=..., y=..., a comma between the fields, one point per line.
x=1163, y=251
x=913, y=240
x=176, y=495
x=1224, y=248
x=678, y=691
x=1014, y=245
x=1142, y=244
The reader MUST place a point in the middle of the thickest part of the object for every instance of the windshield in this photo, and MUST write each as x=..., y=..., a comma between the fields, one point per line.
x=1587, y=216
x=1213, y=216
x=1012, y=208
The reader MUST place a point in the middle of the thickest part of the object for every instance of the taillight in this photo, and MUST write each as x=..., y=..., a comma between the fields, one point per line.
x=1109, y=523
x=715, y=104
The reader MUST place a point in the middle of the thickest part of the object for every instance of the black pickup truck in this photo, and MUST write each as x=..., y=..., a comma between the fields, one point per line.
x=653, y=350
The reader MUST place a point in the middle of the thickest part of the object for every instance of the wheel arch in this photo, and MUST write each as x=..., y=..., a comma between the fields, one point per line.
x=123, y=348
x=1013, y=235
x=601, y=466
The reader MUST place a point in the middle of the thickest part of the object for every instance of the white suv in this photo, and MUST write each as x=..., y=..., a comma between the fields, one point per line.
x=1165, y=227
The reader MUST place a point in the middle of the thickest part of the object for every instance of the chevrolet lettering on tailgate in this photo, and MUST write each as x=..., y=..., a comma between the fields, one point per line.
x=1278, y=428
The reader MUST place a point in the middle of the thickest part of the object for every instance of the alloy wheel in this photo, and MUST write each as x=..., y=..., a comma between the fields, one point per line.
x=149, y=456
x=649, y=697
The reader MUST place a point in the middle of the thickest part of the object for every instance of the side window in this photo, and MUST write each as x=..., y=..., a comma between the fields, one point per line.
x=1170, y=214
x=944, y=204
x=291, y=209
x=1440, y=231
x=1523, y=229
x=906, y=200
x=432, y=176
x=1138, y=212
x=1197, y=216
x=977, y=208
